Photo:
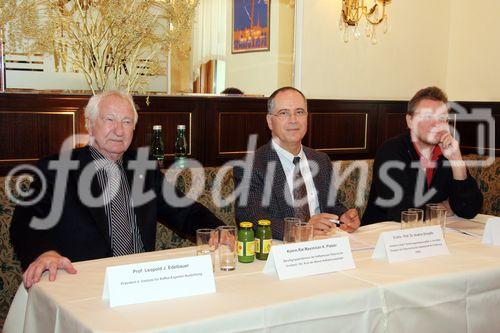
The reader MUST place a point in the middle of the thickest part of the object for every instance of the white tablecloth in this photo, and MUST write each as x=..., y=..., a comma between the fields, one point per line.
x=459, y=292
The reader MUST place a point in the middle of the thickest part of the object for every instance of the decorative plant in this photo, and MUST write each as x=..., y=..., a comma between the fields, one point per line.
x=113, y=43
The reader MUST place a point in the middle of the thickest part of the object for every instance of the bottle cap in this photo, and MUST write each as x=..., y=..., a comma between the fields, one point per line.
x=246, y=224
x=156, y=127
x=264, y=222
x=181, y=126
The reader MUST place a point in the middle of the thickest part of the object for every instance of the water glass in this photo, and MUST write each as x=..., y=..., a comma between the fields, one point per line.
x=408, y=219
x=428, y=208
x=206, y=243
x=227, y=248
x=289, y=229
x=438, y=216
x=420, y=216
x=303, y=232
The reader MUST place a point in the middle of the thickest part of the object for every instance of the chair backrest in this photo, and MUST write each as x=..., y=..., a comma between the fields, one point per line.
x=10, y=271
x=488, y=180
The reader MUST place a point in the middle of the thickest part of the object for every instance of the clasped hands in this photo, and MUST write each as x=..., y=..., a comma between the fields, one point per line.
x=322, y=224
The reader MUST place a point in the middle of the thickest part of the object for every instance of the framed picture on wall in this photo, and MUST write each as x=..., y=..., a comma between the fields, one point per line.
x=251, y=29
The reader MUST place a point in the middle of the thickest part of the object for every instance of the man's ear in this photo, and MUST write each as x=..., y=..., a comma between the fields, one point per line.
x=409, y=121
x=88, y=125
x=269, y=122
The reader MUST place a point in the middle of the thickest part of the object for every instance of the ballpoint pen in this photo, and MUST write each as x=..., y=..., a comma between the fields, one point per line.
x=337, y=222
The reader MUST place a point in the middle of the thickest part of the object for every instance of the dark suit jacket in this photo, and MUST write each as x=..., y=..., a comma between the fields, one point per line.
x=464, y=196
x=278, y=207
x=81, y=232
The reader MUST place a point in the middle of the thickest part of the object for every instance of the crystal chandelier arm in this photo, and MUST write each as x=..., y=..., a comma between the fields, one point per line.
x=372, y=10
x=352, y=12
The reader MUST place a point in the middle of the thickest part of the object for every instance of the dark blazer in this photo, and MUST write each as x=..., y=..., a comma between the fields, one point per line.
x=278, y=207
x=464, y=196
x=81, y=232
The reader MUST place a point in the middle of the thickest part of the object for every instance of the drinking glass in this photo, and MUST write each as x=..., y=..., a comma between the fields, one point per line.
x=408, y=219
x=438, y=216
x=420, y=216
x=428, y=207
x=206, y=243
x=227, y=248
x=303, y=232
x=289, y=229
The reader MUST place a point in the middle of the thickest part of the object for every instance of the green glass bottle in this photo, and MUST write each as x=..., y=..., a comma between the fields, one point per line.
x=246, y=243
x=157, y=146
x=263, y=239
x=180, y=147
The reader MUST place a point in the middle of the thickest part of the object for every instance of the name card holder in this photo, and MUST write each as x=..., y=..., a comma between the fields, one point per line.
x=491, y=234
x=310, y=258
x=410, y=244
x=158, y=280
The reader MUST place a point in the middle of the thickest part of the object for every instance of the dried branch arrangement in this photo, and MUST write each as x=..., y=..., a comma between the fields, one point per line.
x=113, y=43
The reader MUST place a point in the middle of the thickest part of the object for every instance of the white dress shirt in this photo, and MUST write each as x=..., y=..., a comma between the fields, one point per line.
x=286, y=159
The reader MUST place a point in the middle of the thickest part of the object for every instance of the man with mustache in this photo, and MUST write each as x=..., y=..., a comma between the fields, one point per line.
x=294, y=180
x=115, y=221
x=426, y=157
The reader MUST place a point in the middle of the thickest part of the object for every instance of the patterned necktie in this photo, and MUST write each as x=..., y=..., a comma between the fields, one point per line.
x=301, y=202
x=122, y=241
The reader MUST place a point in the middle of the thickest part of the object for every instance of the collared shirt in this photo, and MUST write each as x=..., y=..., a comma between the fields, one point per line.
x=103, y=166
x=286, y=159
x=429, y=165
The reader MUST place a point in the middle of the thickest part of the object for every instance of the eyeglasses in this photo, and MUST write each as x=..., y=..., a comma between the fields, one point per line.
x=285, y=114
x=430, y=117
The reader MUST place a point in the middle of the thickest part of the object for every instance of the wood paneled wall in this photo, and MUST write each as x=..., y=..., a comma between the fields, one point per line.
x=33, y=125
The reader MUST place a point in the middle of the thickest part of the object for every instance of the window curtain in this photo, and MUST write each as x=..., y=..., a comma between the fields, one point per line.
x=209, y=34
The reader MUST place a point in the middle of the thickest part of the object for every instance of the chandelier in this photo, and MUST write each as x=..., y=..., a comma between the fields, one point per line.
x=352, y=13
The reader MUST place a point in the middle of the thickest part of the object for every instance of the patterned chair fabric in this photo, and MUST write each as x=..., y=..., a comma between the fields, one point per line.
x=199, y=184
x=353, y=180
x=488, y=178
x=10, y=273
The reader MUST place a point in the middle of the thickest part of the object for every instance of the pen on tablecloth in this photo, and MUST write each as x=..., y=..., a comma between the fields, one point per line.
x=337, y=222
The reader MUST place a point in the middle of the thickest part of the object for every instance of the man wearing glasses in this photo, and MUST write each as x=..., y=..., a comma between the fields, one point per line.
x=288, y=179
x=423, y=165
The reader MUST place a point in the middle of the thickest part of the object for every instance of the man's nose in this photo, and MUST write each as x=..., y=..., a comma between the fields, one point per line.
x=293, y=117
x=119, y=128
x=435, y=122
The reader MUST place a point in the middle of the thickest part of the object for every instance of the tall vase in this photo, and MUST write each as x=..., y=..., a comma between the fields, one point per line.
x=2, y=67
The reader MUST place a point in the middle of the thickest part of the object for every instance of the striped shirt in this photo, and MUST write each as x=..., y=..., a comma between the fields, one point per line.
x=105, y=170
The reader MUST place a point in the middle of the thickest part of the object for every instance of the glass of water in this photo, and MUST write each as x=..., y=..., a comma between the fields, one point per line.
x=428, y=208
x=420, y=216
x=408, y=219
x=206, y=243
x=289, y=229
x=227, y=248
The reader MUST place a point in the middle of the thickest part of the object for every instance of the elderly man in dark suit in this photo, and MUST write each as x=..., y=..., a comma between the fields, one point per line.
x=288, y=179
x=104, y=203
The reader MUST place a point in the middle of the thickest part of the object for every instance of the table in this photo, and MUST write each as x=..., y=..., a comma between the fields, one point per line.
x=459, y=292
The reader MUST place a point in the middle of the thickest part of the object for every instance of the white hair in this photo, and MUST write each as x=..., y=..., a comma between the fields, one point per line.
x=92, y=108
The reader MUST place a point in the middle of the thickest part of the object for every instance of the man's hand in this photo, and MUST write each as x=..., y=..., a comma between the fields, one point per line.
x=321, y=223
x=350, y=220
x=449, y=211
x=450, y=147
x=451, y=150
x=51, y=261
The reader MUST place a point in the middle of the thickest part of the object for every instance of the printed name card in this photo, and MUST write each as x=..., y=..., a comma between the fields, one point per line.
x=158, y=280
x=310, y=258
x=491, y=234
x=409, y=244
